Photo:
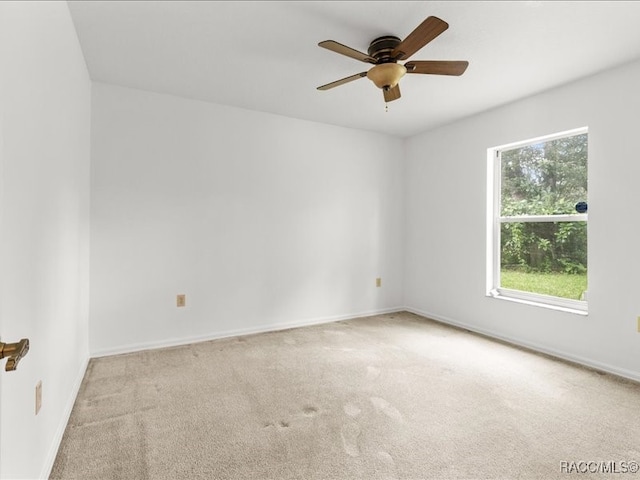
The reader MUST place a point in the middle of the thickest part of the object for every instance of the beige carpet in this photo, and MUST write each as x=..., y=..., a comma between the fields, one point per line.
x=391, y=396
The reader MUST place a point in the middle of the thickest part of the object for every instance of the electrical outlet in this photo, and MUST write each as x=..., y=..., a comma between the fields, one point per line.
x=181, y=300
x=638, y=324
x=38, y=396
x=378, y=282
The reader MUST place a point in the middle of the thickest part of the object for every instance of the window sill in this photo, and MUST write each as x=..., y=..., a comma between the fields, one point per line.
x=540, y=303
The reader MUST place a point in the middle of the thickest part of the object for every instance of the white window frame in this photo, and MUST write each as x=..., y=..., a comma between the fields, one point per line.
x=495, y=220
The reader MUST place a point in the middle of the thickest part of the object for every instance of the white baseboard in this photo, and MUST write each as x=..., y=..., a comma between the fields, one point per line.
x=587, y=362
x=64, y=420
x=174, y=342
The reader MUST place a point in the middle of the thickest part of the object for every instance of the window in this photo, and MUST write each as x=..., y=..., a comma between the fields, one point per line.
x=537, y=232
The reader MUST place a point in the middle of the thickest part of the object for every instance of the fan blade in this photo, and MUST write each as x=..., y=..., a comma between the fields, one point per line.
x=348, y=51
x=392, y=94
x=342, y=81
x=423, y=34
x=436, y=67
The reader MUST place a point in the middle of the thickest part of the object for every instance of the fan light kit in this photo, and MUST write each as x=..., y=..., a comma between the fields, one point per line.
x=385, y=52
x=386, y=75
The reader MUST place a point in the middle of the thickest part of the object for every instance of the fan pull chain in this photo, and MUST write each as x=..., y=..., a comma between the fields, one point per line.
x=386, y=107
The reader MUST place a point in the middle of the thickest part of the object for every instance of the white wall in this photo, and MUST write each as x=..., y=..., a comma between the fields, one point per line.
x=44, y=231
x=446, y=229
x=262, y=221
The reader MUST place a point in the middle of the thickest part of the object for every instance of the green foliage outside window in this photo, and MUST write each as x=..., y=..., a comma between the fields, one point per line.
x=544, y=179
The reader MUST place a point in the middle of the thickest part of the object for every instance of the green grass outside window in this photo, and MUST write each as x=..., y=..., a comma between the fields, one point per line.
x=563, y=285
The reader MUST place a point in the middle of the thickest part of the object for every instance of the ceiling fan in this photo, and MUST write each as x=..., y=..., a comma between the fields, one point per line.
x=385, y=52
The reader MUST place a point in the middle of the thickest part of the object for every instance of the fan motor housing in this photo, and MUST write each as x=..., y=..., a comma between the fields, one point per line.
x=382, y=47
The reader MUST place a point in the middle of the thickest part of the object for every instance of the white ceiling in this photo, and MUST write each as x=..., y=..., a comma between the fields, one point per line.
x=264, y=55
